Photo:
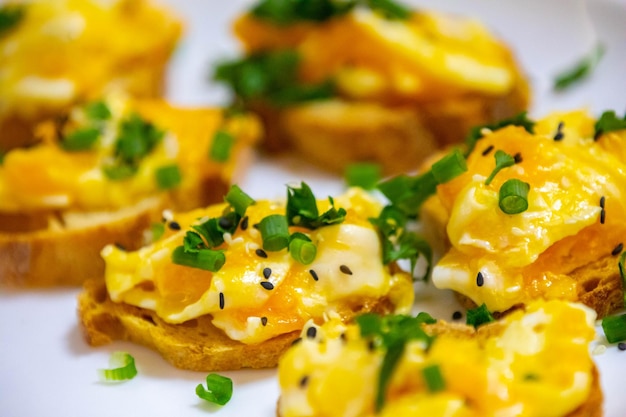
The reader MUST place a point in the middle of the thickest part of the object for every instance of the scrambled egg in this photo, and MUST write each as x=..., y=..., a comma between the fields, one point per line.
x=49, y=177
x=428, y=56
x=234, y=297
x=532, y=363
x=576, y=213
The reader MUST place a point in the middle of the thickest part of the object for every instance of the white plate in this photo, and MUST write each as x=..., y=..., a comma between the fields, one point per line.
x=46, y=369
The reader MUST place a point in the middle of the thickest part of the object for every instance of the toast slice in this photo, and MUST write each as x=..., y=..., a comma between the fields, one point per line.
x=55, y=221
x=507, y=363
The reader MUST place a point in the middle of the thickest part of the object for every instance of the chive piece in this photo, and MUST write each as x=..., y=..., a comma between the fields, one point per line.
x=433, y=378
x=97, y=111
x=10, y=16
x=81, y=139
x=614, y=328
x=119, y=172
x=450, y=166
x=608, y=122
x=274, y=232
x=302, y=209
x=478, y=316
x=622, y=272
x=409, y=193
x=168, y=176
x=123, y=368
x=238, y=200
x=580, y=70
x=157, y=230
x=206, y=259
x=364, y=175
x=221, y=146
x=302, y=249
x=513, y=196
x=503, y=160
x=219, y=389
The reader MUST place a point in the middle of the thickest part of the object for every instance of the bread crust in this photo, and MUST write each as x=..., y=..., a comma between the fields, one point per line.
x=194, y=345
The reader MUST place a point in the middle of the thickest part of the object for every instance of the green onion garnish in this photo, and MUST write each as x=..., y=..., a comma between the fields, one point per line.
x=97, y=111
x=365, y=175
x=274, y=232
x=580, y=70
x=221, y=146
x=302, y=209
x=10, y=16
x=614, y=328
x=609, y=122
x=168, y=176
x=122, y=368
x=219, y=389
x=119, y=172
x=409, y=193
x=302, y=249
x=157, y=230
x=503, y=160
x=478, y=316
x=238, y=200
x=81, y=139
x=449, y=167
x=513, y=197
x=206, y=259
x=433, y=378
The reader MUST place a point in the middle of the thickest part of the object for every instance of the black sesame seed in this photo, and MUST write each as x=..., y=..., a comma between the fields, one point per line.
x=559, y=132
x=345, y=270
x=225, y=223
x=617, y=249
x=174, y=225
x=311, y=332
x=267, y=272
x=487, y=150
x=621, y=346
x=120, y=246
x=244, y=223
x=602, y=201
x=221, y=301
x=371, y=346
x=267, y=285
x=261, y=253
x=602, y=216
x=343, y=337
x=264, y=321
x=517, y=158
x=304, y=381
x=256, y=226
x=314, y=274
x=457, y=315
x=296, y=341
x=480, y=279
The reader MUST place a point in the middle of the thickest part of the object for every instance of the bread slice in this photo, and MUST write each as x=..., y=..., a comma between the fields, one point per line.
x=59, y=55
x=42, y=245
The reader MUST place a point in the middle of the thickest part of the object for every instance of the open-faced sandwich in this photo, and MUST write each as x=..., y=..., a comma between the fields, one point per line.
x=540, y=212
x=102, y=174
x=533, y=362
x=232, y=285
x=342, y=82
x=57, y=53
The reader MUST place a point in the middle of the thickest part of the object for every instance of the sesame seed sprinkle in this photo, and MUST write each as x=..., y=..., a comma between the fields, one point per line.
x=174, y=226
x=314, y=274
x=244, y=223
x=221, y=301
x=120, y=246
x=559, y=132
x=480, y=279
x=225, y=222
x=311, y=332
x=621, y=346
x=304, y=381
x=602, y=216
x=517, y=158
x=267, y=272
x=345, y=270
x=487, y=150
x=617, y=249
x=296, y=341
x=261, y=253
x=267, y=285
x=457, y=315
x=602, y=201
x=264, y=321
x=371, y=346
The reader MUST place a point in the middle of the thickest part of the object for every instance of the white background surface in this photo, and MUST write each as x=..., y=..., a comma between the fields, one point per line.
x=46, y=369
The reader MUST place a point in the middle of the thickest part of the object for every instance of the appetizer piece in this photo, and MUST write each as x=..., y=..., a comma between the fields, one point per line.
x=530, y=363
x=58, y=53
x=102, y=175
x=539, y=213
x=344, y=82
x=232, y=285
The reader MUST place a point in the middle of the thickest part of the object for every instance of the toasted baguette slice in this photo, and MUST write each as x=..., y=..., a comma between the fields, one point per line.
x=63, y=53
x=50, y=241
x=474, y=365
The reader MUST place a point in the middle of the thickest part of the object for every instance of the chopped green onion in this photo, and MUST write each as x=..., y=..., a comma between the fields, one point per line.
x=433, y=378
x=449, y=167
x=219, y=389
x=192, y=242
x=302, y=249
x=122, y=368
x=302, y=209
x=157, y=230
x=168, y=176
x=614, y=328
x=503, y=160
x=10, y=16
x=409, y=193
x=580, y=70
x=211, y=231
x=478, y=316
x=364, y=175
x=97, y=111
x=238, y=200
x=81, y=139
x=622, y=272
x=136, y=139
x=513, y=197
x=206, y=259
x=119, y=172
x=221, y=146
x=390, y=9
x=274, y=232
x=609, y=122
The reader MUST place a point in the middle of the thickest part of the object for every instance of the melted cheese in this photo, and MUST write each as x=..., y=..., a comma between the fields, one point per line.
x=529, y=364
x=148, y=278
x=530, y=255
x=430, y=55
